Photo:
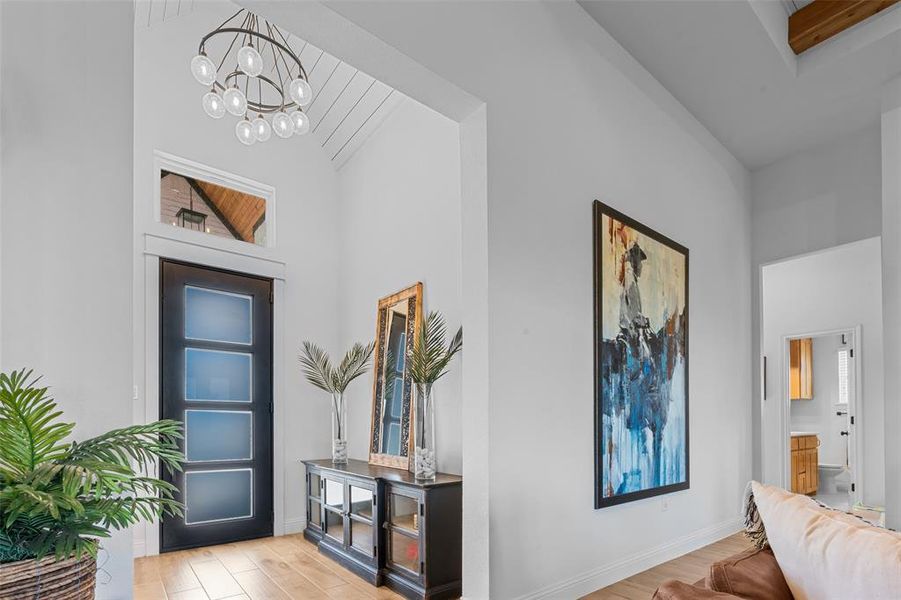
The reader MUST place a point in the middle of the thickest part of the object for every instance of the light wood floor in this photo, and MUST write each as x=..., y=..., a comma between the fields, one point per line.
x=289, y=567
x=277, y=568
x=689, y=568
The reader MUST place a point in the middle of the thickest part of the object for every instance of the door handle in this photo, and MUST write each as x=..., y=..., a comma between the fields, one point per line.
x=843, y=432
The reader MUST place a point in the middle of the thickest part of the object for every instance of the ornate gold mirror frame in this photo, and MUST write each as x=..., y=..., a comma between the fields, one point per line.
x=397, y=325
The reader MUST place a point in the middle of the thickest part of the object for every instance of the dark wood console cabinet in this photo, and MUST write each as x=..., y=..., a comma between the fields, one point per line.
x=387, y=527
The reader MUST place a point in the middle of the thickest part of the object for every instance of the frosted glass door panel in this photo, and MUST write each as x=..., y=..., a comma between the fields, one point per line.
x=218, y=495
x=212, y=435
x=218, y=316
x=217, y=376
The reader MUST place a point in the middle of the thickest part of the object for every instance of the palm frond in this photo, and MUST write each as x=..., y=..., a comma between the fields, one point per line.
x=28, y=433
x=430, y=358
x=317, y=367
x=59, y=497
x=355, y=363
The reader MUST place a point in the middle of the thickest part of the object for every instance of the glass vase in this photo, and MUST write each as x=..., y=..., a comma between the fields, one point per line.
x=425, y=462
x=339, y=429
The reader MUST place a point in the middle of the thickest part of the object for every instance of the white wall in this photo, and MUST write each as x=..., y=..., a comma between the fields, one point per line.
x=399, y=221
x=67, y=213
x=838, y=288
x=169, y=117
x=596, y=126
x=819, y=413
x=891, y=289
x=827, y=195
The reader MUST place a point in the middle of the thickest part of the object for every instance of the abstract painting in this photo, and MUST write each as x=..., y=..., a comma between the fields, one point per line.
x=641, y=360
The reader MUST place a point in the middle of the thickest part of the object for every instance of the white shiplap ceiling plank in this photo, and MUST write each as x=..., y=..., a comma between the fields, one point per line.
x=320, y=72
x=343, y=105
x=355, y=117
x=373, y=122
x=325, y=97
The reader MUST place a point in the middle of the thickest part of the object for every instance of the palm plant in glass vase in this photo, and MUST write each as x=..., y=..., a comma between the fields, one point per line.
x=429, y=361
x=59, y=497
x=318, y=369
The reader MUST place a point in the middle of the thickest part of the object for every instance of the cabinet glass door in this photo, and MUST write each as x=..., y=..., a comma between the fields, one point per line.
x=334, y=494
x=333, y=525
x=404, y=551
x=362, y=529
x=333, y=503
x=315, y=516
x=403, y=512
x=314, y=500
x=404, y=532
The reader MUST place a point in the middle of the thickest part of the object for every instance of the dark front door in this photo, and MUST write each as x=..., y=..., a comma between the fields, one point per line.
x=216, y=378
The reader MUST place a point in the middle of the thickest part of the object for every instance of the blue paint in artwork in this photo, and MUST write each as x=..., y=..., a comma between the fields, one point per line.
x=642, y=395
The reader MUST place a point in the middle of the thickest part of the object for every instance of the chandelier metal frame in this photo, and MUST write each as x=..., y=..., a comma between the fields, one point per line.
x=250, y=33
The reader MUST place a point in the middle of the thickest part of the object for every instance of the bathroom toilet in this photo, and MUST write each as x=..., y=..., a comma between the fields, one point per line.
x=828, y=477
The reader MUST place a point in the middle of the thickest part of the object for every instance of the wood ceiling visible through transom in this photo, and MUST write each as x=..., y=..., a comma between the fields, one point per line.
x=241, y=212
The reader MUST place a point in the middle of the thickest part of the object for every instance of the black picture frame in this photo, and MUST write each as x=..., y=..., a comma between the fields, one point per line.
x=600, y=209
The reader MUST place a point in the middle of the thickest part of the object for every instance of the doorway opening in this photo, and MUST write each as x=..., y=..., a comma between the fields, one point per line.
x=823, y=423
x=808, y=303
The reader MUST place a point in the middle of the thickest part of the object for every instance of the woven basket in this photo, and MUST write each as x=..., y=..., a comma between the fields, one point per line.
x=48, y=579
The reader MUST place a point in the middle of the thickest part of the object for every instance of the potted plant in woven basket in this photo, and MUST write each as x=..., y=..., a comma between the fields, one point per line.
x=58, y=497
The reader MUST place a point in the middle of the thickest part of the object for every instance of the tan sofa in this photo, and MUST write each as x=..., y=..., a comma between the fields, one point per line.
x=809, y=551
x=752, y=575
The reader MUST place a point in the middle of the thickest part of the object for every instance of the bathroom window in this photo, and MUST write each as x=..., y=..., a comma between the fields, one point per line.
x=843, y=376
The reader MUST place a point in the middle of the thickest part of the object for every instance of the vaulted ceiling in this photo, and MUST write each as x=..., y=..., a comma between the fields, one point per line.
x=348, y=105
x=729, y=63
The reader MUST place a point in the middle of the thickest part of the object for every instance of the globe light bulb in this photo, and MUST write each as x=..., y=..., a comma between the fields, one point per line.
x=235, y=102
x=282, y=125
x=213, y=105
x=300, y=91
x=301, y=122
x=261, y=129
x=244, y=132
x=250, y=61
x=203, y=69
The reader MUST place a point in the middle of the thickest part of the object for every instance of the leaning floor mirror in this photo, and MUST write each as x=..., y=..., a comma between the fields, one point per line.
x=397, y=324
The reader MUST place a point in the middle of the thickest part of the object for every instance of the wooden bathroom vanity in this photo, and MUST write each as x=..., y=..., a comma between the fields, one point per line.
x=805, y=461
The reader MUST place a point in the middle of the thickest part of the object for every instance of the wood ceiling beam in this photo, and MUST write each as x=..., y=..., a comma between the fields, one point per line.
x=823, y=19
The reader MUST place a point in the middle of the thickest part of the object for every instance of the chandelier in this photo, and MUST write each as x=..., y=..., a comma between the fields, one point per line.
x=256, y=73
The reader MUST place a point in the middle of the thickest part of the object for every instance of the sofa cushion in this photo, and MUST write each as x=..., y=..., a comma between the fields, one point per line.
x=754, y=574
x=678, y=590
x=825, y=553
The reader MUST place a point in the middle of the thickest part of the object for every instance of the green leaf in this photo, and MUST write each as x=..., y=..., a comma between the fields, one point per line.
x=59, y=496
x=430, y=358
x=316, y=366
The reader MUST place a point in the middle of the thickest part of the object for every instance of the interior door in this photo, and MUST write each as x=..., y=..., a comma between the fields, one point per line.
x=216, y=378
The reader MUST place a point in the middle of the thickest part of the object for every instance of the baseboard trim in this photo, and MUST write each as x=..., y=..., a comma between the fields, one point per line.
x=295, y=525
x=592, y=580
